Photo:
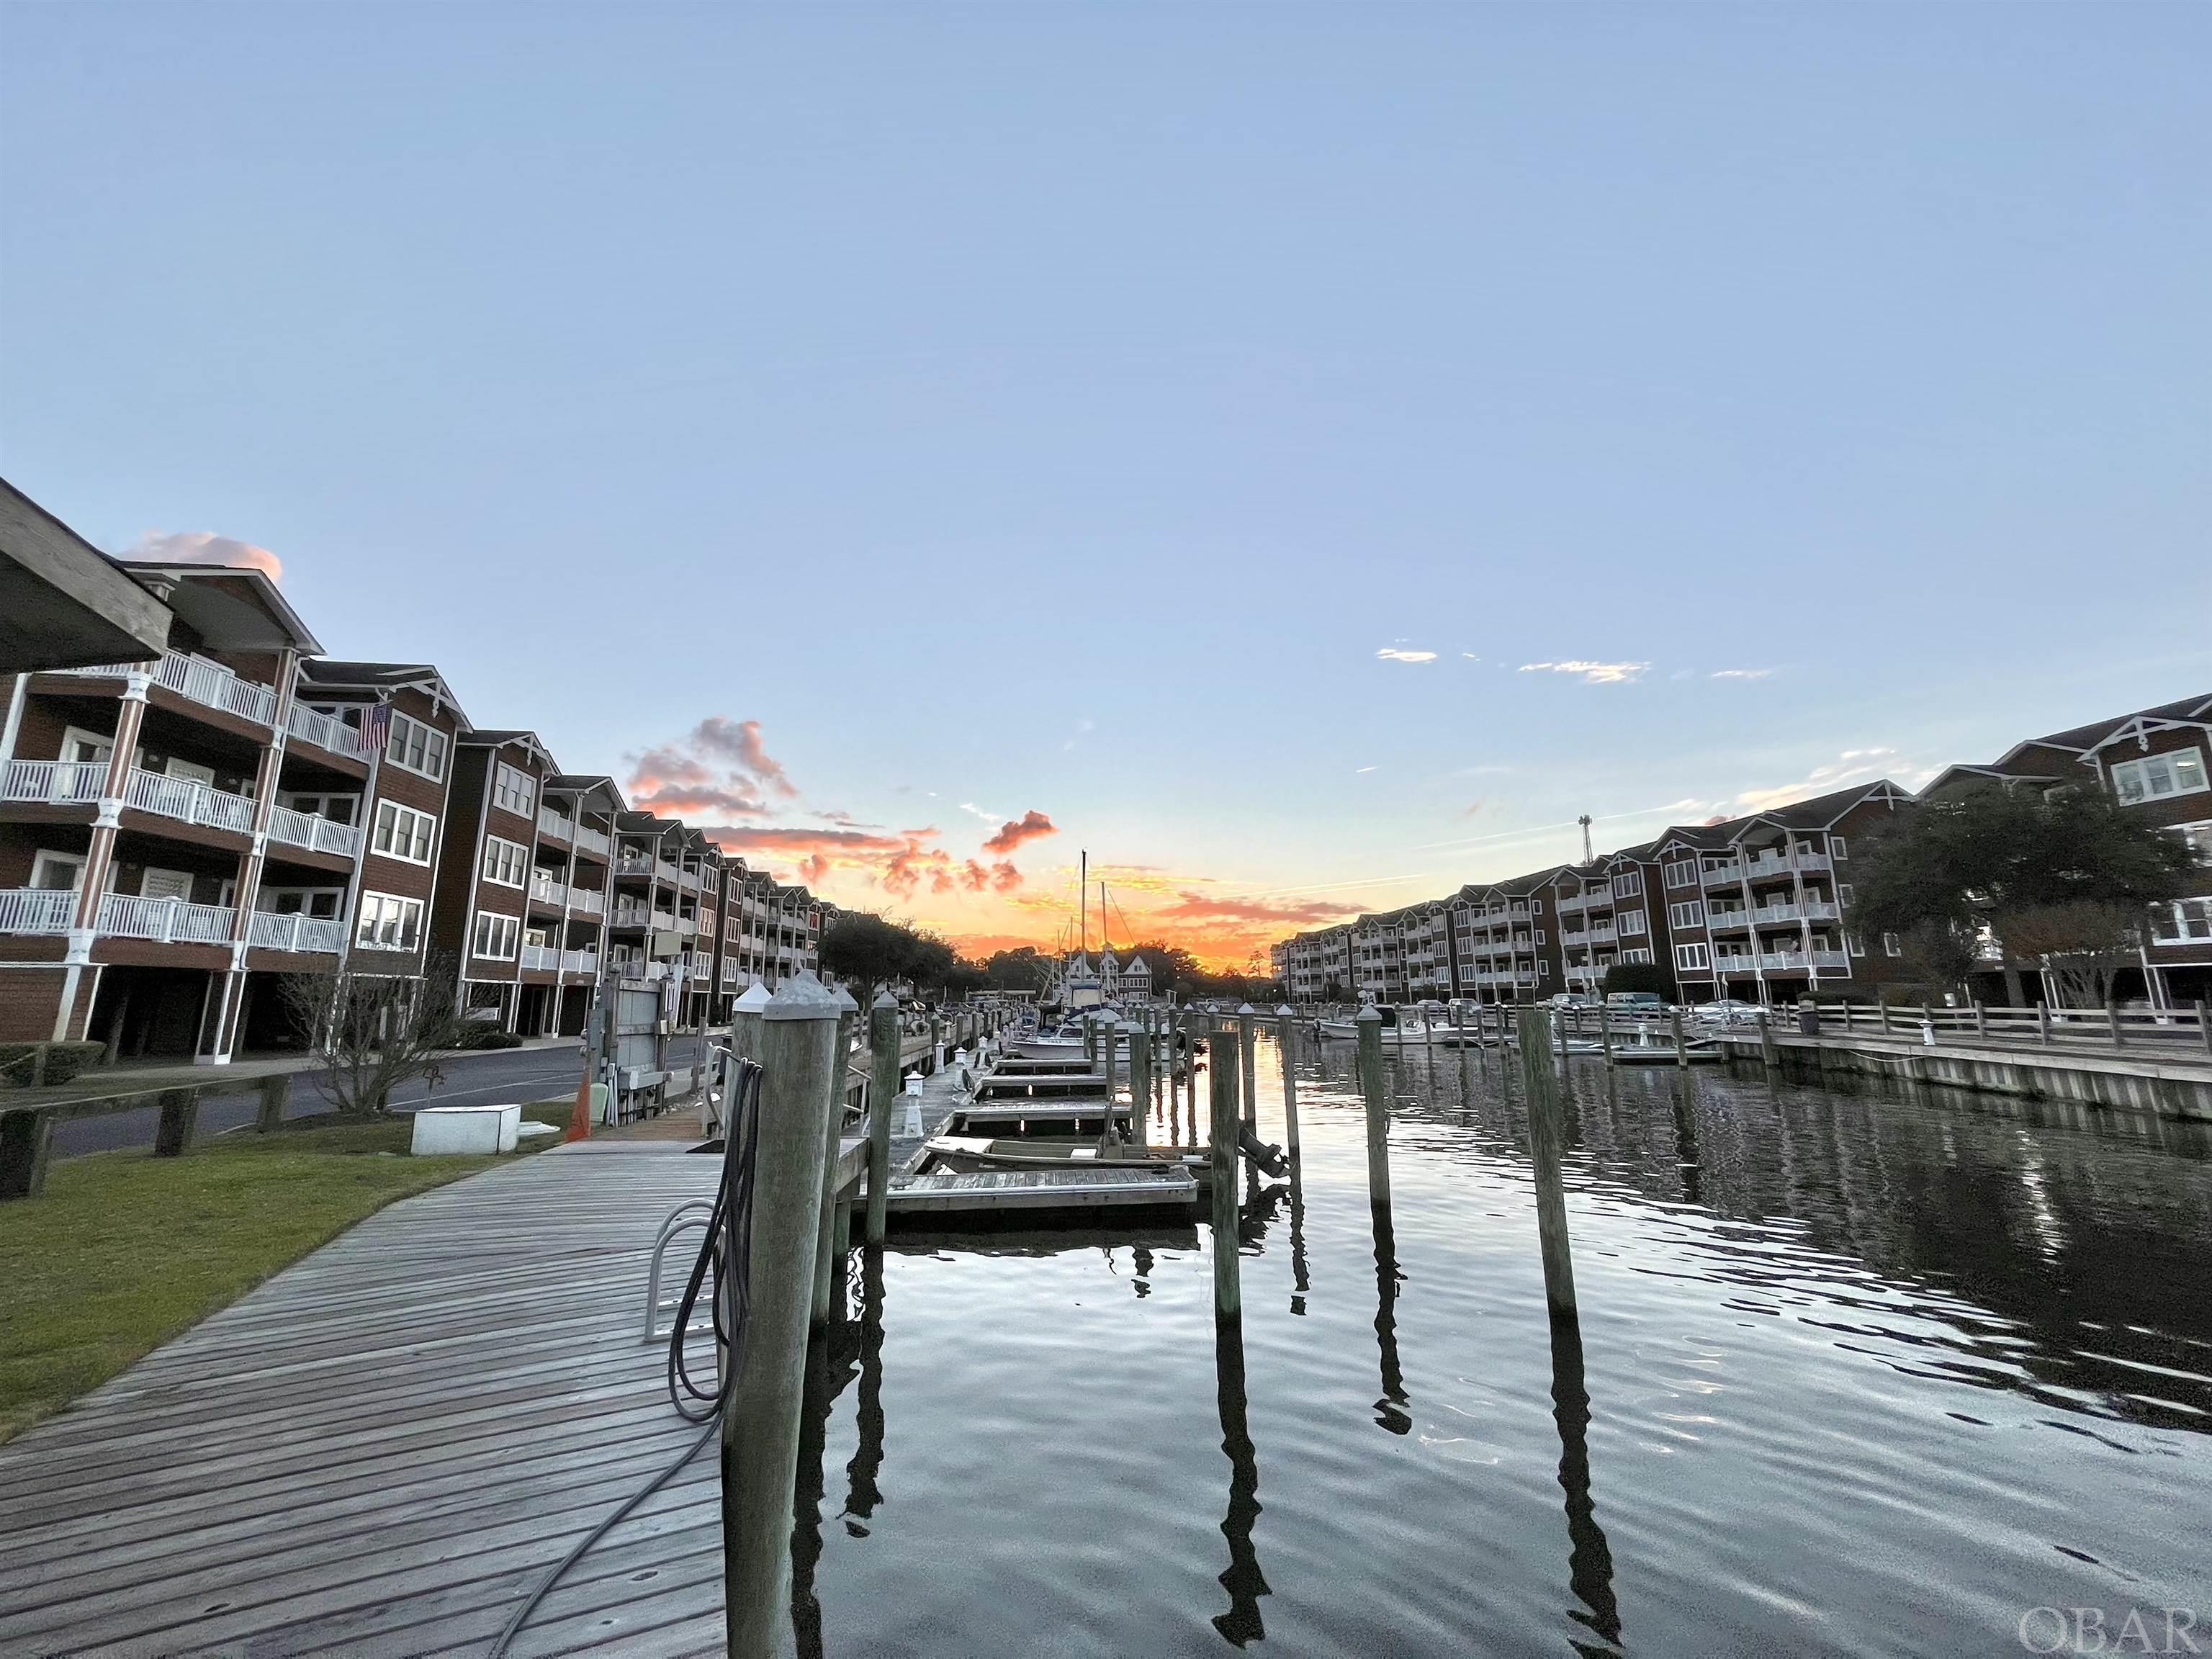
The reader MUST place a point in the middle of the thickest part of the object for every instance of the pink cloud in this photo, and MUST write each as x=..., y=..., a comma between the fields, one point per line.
x=205, y=547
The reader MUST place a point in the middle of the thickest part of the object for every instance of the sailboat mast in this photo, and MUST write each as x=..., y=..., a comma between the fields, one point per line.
x=1083, y=894
x=1105, y=940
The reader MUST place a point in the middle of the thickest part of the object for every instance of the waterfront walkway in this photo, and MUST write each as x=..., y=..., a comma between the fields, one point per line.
x=382, y=1449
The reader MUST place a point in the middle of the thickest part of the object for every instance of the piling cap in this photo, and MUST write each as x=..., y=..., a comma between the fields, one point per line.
x=1369, y=1012
x=1248, y=1009
x=844, y=1003
x=885, y=1000
x=754, y=1000
x=1283, y=1011
x=802, y=997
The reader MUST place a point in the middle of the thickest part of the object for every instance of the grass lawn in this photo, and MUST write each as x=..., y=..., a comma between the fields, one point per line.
x=123, y=1251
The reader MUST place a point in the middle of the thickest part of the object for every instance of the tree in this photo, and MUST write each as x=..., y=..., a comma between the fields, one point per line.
x=2046, y=872
x=870, y=952
x=1025, y=968
x=1639, y=976
x=2082, y=945
x=375, y=1032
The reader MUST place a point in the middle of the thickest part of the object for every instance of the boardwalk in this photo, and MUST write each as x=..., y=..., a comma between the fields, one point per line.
x=384, y=1448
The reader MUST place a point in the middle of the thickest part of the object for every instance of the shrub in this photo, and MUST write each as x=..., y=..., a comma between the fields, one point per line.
x=19, y=1061
x=1639, y=976
x=486, y=1036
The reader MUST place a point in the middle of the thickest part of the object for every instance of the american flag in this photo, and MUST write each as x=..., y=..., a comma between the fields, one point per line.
x=375, y=727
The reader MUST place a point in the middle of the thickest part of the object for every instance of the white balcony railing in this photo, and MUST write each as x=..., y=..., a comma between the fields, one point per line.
x=581, y=962
x=664, y=920
x=311, y=830
x=189, y=800
x=1773, y=913
x=1737, y=918
x=541, y=958
x=203, y=681
x=217, y=687
x=53, y=782
x=550, y=823
x=296, y=932
x=1830, y=959
x=1722, y=875
x=666, y=870
x=586, y=902
x=1819, y=911
x=1781, y=961
x=1741, y=963
x=591, y=840
x=630, y=915
x=166, y=920
x=312, y=726
x=36, y=910
x=545, y=890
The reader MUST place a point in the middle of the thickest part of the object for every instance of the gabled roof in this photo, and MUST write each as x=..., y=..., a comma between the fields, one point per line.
x=339, y=676
x=481, y=738
x=2189, y=712
x=231, y=607
x=598, y=794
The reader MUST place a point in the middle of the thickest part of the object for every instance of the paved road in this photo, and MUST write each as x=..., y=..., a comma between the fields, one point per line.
x=475, y=1080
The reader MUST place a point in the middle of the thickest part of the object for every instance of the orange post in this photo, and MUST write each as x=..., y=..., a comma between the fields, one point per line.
x=579, y=1120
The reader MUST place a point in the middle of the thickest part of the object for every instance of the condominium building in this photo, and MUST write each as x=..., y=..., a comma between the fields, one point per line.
x=1754, y=908
x=180, y=835
x=2157, y=764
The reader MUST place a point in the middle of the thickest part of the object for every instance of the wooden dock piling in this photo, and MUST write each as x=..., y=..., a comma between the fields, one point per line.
x=1221, y=1070
x=883, y=1100
x=1141, y=1083
x=1682, y=1049
x=1372, y=1092
x=1248, y=1060
x=761, y=1424
x=1290, y=1083
x=1547, y=1141
x=826, y=1253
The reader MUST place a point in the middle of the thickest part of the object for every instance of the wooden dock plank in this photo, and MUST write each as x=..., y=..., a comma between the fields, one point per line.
x=383, y=1448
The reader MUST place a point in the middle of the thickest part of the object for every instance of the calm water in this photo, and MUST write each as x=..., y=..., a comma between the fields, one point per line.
x=1863, y=1373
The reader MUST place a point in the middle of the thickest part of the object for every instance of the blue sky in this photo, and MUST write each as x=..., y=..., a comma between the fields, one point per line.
x=1057, y=409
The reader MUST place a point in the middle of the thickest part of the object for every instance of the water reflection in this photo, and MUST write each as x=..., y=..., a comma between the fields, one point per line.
x=1391, y=1411
x=1590, y=1557
x=1242, y=1579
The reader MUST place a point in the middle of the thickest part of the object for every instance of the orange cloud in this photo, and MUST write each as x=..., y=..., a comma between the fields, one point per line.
x=205, y=547
x=1032, y=825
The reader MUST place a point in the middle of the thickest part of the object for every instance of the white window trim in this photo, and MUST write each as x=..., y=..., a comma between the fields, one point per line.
x=1839, y=851
x=372, y=907
x=75, y=861
x=501, y=922
x=434, y=743
x=499, y=851
x=1693, y=957
x=2140, y=764
x=405, y=821
x=525, y=789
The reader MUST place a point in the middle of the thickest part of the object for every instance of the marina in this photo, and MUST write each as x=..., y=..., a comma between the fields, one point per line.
x=1785, y=1343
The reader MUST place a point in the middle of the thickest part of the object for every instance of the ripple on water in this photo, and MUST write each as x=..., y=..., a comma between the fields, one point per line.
x=1855, y=1372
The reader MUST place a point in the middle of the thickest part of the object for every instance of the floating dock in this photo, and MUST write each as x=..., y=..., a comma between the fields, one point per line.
x=1024, y=1198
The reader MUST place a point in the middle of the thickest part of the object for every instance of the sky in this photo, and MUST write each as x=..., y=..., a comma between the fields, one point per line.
x=1303, y=456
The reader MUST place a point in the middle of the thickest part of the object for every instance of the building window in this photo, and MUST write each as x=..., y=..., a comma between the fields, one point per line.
x=1842, y=892
x=2181, y=923
x=1692, y=958
x=2156, y=777
x=417, y=747
x=388, y=923
x=1854, y=944
x=1691, y=913
x=404, y=833
x=1631, y=921
x=1838, y=850
x=514, y=791
x=1536, y=907
x=57, y=872
x=1628, y=884
x=1890, y=947
x=1543, y=969
x=505, y=862
x=1540, y=936
x=1681, y=873
x=495, y=935
x=2196, y=837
